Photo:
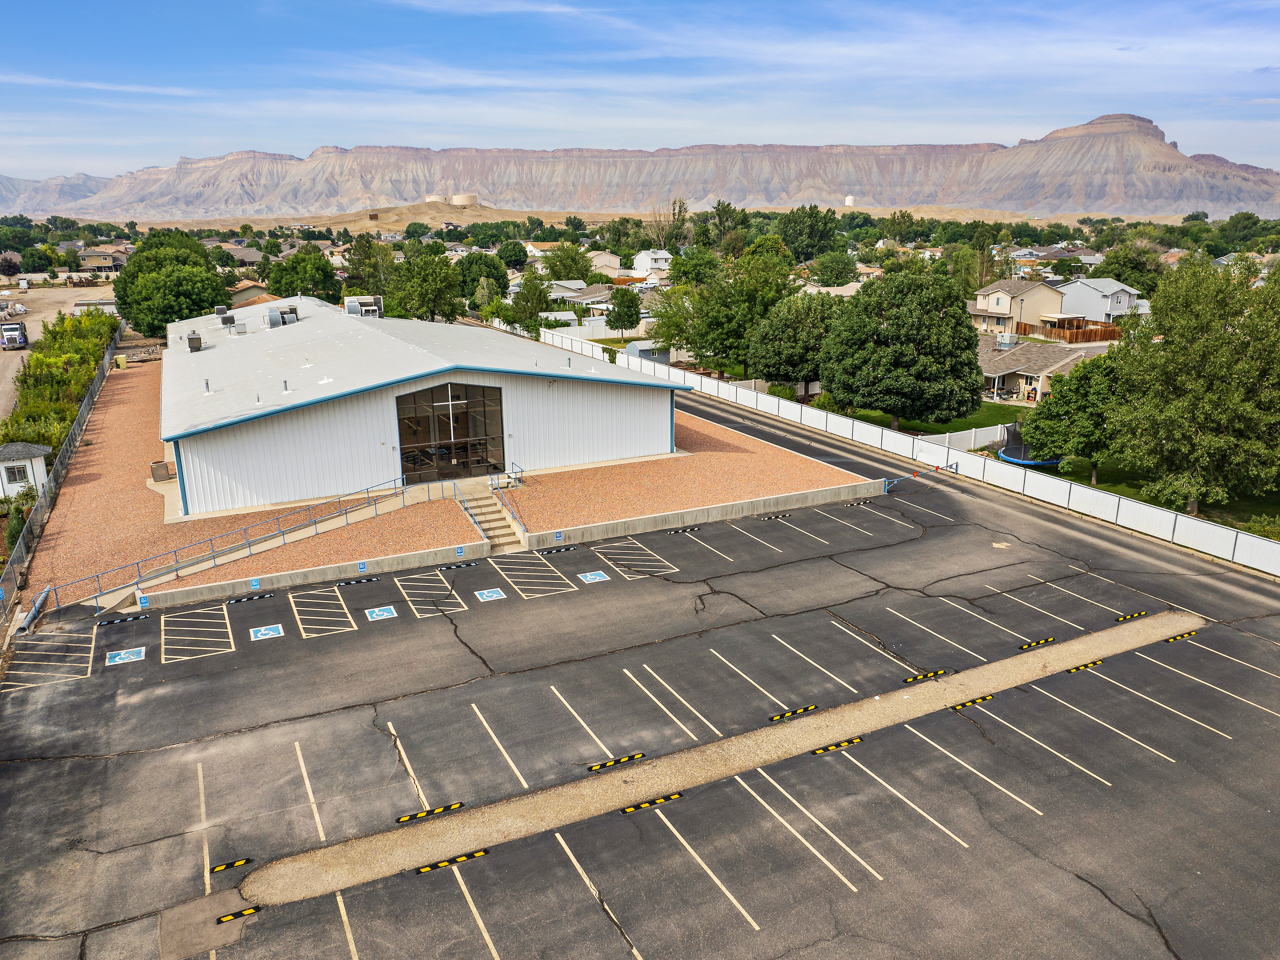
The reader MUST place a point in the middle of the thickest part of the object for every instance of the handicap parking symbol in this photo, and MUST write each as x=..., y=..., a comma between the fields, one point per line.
x=486, y=595
x=144, y=603
x=380, y=613
x=266, y=633
x=362, y=566
x=126, y=656
x=253, y=584
x=596, y=576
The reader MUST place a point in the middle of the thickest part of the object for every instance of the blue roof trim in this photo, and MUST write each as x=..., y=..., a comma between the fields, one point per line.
x=182, y=486
x=422, y=376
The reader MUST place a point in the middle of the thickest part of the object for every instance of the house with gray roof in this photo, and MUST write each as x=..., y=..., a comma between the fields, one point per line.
x=22, y=464
x=1025, y=368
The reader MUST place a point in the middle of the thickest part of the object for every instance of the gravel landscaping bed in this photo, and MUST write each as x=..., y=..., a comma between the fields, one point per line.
x=724, y=467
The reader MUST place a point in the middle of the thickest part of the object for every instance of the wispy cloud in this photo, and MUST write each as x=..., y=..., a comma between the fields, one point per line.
x=30, y=80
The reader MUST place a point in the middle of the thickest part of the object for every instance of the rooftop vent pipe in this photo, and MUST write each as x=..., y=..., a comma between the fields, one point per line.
x=193, y=341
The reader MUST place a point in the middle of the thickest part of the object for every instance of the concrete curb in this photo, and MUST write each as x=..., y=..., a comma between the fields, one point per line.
x=329, y=869
x=295, y=578
x=709, y=514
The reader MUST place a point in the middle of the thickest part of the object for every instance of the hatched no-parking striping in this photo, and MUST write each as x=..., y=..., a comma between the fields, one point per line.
x=321, y=613
x=429, y=594
x=49, y=658
x=532, y=575
x=634, y=560
x=195, y=633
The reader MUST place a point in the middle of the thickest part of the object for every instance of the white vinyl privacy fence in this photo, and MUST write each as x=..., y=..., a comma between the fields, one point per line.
x=1213, y=539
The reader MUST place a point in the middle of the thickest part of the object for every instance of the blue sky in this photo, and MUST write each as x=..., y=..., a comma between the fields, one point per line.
x=145, y=83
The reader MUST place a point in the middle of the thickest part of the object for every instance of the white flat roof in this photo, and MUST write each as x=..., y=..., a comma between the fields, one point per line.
x=329, y=354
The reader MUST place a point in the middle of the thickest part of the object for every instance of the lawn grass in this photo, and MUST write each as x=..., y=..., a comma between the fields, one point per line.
x=617, y=343
x=1114, y=478
x=991, y=414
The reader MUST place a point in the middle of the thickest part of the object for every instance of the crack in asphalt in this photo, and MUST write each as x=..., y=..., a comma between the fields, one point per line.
x=458, y=636
x=880, y=643
x=83, y=934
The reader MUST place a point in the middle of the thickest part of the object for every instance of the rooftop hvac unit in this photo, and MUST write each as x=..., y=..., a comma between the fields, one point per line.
x=219, y=311
x=193, y=341
x=228, y=319
x=241, y=329
x=1006, y=340
x=288, y=315
x=273, y=317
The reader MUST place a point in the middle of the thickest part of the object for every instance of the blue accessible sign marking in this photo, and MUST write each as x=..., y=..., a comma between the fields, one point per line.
x=459, y=554
x=266, y=633
x=253, y=584
x=144, y=603
x=126, y=656
x=380, y=613
x=486, y=595
x=363, y=566
x=559, y=536
x=594, y=577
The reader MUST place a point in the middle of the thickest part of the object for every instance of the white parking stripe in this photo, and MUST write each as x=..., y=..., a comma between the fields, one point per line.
x=1150, y=596
x=884, y=516
x=1034, y=607
x=709, y=547
x=1098, y=673
x=1104, y=723
x=751, y=535
x=1208, y=684
x=845, y=522
x=429, y=595
x=506, y=756
x=752, y=682
x=973, y=770
x=1039, y=744
x=796, y=803
x=594, y=892
x=803, y=657
x=1077, y=596
x=683, y=700
x=1241, y=662
x=925, y=509
x=583, y=723
x=311, y=797
x=532, y=575
x=723, y=889
x=484, y=932
x=879, y=650
x=805, y=532
x=848, y=757
x=662, y=705
x=985, y=620
x=795, y=833
x=938, y=635
x=346, y=926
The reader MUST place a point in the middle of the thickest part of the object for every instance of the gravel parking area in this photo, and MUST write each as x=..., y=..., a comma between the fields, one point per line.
x=725, y=467
x=106, y=516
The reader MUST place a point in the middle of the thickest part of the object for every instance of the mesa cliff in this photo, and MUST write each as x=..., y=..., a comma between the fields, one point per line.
x=1118, y=163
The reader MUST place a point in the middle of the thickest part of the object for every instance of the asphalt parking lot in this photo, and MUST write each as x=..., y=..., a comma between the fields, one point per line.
x=1126, y=810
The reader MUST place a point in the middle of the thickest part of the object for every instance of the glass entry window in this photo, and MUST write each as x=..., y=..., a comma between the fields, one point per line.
x=450, y=431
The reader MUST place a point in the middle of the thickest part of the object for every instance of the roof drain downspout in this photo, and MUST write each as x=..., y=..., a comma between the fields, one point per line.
x=182, y=487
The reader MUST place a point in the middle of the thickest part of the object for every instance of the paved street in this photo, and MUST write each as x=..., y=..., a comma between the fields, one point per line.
x=1126, y=810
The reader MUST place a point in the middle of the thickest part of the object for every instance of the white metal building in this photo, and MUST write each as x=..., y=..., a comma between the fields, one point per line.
x=298, y=399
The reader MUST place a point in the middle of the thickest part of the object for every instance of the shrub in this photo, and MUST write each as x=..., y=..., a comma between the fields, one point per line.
x=784, y=390
x=14, y=528
x=1264, y=526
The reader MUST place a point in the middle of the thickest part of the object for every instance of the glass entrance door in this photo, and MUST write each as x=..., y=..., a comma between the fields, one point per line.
x=450, y=431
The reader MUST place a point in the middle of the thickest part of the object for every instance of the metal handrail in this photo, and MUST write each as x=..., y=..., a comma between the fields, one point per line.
x=951, y=467
x=497, y=489
x=245, y=541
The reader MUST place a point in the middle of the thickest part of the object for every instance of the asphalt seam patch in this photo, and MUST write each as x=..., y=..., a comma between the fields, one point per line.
x=373, y=857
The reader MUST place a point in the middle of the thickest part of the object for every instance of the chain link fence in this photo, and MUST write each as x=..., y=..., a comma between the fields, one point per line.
x=39, y=516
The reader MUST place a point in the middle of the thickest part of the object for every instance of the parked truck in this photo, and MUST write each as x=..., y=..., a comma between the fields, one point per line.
x=13, y=335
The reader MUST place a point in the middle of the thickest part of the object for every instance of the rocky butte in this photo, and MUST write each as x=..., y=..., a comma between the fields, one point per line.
x=1118, y=163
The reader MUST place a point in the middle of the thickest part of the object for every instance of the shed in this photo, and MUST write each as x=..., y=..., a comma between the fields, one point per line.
x=20, y=464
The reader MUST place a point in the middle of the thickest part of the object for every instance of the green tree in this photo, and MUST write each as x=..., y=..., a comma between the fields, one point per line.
x=1192, y=217
x=1136, y=267
x=158, y=251
x=739, y=297
x=808, y=231
x=429, y=286
x=476, y=266
x=35, y=260
x=222, y=257
x=416, y=231
x=486, y=292
x=625, y=314
x=576, y=224
x=246, y=231
x=567, y=262
x=1071, y=422
x=787, y=344
x=271, y=247
x=834, y=268
x=513, y=254
x=697, y=265
x=725, y=218
x=533, y=298
x=9, y=268
x=307, y=272
x=71, y=260
x=675, y=312
x=174, y=292
x=1199, y=386
x=905, y=345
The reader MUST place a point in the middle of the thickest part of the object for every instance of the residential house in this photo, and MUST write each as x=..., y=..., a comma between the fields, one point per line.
x=1100, y=300
x=602, y=261
x=1025, y=369
x=847, y=290
x=867, y=271
x=245, y=256
x=536, y=250
x=1001, y=306
x=105, y=304
x=22, y=464
x=246, y=290
x=109, y=259
x=648, y=261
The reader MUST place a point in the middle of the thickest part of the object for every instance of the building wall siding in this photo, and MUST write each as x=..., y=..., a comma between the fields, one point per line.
x=348, y=444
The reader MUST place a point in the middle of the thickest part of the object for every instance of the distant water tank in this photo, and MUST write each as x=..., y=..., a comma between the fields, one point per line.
x=435, y=198
x=465, y=199
x=848, y=201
